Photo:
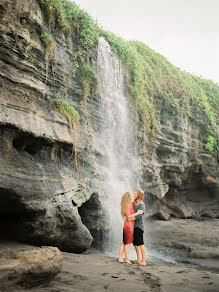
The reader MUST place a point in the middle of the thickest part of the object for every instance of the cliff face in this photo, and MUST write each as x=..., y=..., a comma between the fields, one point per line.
x=179, y=176
x=41, y=189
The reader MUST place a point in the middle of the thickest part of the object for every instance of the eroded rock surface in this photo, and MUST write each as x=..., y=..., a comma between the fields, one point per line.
x=180, y=178
x=28, y=267
x=40, y=187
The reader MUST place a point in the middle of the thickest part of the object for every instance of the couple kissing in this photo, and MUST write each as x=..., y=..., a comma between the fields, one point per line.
x=133, y=228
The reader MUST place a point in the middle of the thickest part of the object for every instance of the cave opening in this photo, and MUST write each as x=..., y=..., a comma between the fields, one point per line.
x=27, y=143
x=12, y=213
x=93, y=217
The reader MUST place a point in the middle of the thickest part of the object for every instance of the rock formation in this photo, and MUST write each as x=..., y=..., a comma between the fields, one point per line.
x=40, y=189
x=44, y=197
x=180, y=178
x=29, y=267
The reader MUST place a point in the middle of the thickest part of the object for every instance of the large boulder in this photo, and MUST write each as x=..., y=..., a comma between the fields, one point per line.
x=29, y=267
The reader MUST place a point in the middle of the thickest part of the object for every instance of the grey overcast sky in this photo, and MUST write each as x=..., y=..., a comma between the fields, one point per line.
x=186, y=32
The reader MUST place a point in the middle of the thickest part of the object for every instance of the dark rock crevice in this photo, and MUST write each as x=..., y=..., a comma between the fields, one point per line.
x=93, y=217
x=12, y=213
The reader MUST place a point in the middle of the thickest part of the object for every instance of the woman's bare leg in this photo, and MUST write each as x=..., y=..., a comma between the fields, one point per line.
x=121, y=251
x=127, y=254
x=138, y=252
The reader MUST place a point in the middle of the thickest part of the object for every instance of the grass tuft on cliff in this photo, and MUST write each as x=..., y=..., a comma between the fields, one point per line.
x=88, y=79
x=49, y=43
x=68, y=111
x=65, y=12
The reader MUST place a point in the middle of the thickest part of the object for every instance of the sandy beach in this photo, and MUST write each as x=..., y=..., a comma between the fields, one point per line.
x=196, y=268
x=96, y=272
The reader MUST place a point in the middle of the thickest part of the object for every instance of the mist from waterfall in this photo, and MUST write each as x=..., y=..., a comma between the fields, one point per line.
x=121, y=164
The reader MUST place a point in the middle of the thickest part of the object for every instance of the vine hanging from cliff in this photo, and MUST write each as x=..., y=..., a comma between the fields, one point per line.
x=73, y=117
x=88, y=80
x=49, y=44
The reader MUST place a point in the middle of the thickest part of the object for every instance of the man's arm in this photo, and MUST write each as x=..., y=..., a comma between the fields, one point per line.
x=142, y=208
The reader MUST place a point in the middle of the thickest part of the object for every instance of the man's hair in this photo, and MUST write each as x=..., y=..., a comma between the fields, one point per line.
x=140, y=195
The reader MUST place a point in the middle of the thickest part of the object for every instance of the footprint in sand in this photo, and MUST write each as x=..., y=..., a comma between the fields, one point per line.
x=79, y=277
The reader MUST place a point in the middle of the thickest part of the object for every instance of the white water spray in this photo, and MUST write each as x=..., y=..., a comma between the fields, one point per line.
x=121, y=164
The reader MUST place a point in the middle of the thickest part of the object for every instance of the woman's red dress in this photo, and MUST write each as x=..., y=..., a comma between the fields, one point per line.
x=128, y=227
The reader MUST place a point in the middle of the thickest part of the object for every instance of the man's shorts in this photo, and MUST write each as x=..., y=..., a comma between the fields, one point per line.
x=138, y=236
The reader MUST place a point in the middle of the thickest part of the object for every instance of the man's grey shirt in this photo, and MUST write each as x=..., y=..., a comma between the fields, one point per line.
x=139, y=218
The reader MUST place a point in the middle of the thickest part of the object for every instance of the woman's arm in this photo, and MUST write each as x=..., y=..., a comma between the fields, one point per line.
x=139, y=212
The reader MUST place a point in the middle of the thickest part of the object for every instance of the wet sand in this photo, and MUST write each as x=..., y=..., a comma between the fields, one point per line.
x=195, y=241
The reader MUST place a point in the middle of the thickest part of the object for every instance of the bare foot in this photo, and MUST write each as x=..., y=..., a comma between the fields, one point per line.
x=143, y=263
x=121, y=260
x=128, y=262
x=138, y=263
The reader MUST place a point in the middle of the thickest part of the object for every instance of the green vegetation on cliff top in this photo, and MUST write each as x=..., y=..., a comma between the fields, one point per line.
x=152, y=75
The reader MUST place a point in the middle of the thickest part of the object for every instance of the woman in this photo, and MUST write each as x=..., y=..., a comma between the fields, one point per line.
x=128, y=227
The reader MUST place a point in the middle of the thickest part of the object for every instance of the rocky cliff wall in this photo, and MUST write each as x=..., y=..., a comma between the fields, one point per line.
x=38, y=175
x=179, y=176
x=41, y=189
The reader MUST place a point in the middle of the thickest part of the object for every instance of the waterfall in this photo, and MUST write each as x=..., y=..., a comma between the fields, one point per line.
x=120, y=164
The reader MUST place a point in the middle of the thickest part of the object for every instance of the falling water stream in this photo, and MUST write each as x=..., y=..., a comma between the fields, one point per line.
x=121, y=164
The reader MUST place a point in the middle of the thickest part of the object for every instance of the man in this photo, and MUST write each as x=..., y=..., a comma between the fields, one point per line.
x=138, y=241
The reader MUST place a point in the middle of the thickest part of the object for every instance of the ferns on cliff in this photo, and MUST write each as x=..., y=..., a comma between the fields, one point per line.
x=49, y=43
x=88, y=79
x=62, y=12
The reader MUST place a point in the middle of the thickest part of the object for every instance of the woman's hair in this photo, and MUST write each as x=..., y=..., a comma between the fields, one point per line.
x=125, y=201
x=140, y=195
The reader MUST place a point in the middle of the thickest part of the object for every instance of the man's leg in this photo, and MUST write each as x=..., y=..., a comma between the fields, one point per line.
x=138, y=252
x=143, y=254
